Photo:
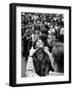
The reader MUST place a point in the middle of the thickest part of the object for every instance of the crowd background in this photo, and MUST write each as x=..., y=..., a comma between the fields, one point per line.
x=51, y=26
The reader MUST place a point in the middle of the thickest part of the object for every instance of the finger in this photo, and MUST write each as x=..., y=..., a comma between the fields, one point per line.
x=36, y=49
x=46, y=48
x=32, y=47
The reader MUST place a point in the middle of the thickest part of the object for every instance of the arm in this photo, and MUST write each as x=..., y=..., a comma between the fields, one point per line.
x=30, y=67
x=49, y=54
x=28, y=37
x=30, y=70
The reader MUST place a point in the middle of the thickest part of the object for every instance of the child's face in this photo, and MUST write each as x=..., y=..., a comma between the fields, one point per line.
x=36, y=34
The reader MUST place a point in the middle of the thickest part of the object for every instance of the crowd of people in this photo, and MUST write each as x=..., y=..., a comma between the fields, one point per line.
x=42, y=43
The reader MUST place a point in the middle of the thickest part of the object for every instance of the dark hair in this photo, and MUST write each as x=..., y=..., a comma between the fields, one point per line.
x=46, y=26
x=43, y=37
x=44, y=31
x=58, y=55
x=37, y=27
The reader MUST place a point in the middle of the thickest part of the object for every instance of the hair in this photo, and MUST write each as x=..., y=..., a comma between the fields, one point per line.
x=37, y=27
x=44, y=31
x=58, y=55
x=46, y=27
x=43, y=37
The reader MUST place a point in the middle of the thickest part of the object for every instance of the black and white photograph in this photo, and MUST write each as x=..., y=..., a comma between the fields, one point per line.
x=40, y=44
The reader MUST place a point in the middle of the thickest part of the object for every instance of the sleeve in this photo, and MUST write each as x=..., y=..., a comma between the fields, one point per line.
x=30, y=67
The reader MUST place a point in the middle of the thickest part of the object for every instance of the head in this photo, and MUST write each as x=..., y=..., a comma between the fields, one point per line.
x=39, y=44
x=36, y=32
x=39, y=53
x=36, y=29
x=58, y=56
x=46, y=26
x=44, y=31
x=49, y=40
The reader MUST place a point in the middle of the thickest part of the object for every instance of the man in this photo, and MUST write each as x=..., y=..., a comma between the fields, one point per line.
x=57, y=59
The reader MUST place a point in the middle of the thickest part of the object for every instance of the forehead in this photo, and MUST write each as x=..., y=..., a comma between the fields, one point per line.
x=39, y=40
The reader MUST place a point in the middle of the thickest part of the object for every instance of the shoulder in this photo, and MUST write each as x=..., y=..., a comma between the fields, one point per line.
x=55, y=74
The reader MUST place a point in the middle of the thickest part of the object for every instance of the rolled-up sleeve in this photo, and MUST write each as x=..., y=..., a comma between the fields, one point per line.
x=30, y=70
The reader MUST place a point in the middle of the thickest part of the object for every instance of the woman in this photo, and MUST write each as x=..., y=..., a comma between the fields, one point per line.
x=38, y=61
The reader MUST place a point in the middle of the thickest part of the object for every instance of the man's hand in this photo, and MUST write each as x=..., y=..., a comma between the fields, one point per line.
x=49, y=54
x=46, y=49
x=32, y=51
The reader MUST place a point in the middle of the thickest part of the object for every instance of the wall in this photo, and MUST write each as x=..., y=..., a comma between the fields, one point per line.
x=4, y=45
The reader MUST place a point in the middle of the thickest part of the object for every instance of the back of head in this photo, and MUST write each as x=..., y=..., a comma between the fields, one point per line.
x=58, y=55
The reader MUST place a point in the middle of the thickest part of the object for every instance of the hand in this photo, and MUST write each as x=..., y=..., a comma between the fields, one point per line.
x=49, y=54
x=46, y=49
x=32, y=51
